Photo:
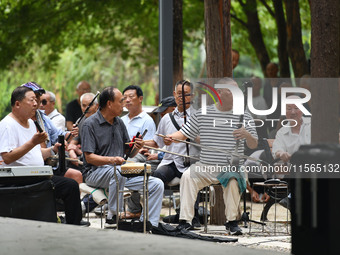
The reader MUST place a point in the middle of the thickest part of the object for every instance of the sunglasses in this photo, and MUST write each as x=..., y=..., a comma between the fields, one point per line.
x=35, y=87
x=44, y=102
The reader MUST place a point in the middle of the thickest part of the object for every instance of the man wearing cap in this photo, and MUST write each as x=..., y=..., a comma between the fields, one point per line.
x=171, y=165
x=167, y=105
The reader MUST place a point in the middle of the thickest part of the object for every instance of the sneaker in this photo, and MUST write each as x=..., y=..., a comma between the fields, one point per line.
x=98, y=212
x=195, y=223
x=111, y=223
x=233, y=228
x=183, y=225
x=84, y=223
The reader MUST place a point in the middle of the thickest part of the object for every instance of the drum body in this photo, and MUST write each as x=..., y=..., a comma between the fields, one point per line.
x=135, y=169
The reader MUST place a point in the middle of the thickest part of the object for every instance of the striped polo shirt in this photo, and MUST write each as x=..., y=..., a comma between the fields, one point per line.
x=215, y=129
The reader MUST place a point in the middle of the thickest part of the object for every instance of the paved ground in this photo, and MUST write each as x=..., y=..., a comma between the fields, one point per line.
x=271, y=237
x=40, y=238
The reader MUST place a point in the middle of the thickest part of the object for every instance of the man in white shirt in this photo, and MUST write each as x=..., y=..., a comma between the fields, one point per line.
x=20, y=145
x=288, y=139
x=47, y=103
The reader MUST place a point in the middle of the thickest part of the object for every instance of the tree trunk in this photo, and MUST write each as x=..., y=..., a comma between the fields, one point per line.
x=294, y=39
x=325, y=63
x=213, y=36
x=224, y=10
x=255, y=34
x=282, y=38
x=177, y=41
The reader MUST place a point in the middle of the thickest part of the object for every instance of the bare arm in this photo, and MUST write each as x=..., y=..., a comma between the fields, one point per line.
x=242, y=133
x=15, y=154
x=177, y=135
x=98, y=160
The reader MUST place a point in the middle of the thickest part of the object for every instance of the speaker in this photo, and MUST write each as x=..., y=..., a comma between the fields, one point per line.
x=35, y=201
x=316, y=200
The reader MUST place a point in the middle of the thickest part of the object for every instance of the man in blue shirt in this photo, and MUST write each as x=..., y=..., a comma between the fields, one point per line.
x=135, y=121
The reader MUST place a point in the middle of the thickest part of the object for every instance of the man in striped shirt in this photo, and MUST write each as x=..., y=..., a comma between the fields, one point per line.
x=218, y=128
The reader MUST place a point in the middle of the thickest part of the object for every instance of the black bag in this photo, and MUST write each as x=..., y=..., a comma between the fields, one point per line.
x=134, y=226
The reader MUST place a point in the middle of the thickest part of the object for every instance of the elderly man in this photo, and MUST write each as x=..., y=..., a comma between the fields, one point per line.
x=20, y=145
x=103, y=138
x=73, y=109
x=47, y=104
x=135, y=121
x=289, y=139
x=219, y=135
x=74, y=146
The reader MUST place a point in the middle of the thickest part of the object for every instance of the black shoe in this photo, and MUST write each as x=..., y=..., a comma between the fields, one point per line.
x=233, y=228
x=84, y=223
x=171, y=219
x=184, y=225
x=195, y=223
x=111, y=223
x=285, y=202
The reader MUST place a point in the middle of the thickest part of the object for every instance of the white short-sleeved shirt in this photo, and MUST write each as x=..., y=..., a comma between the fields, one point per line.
x=58, y=119
x=13, y=135
x=166, y=127
x=290, y=142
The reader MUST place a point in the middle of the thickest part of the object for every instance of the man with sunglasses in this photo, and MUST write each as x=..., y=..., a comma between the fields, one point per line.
x=47, y=104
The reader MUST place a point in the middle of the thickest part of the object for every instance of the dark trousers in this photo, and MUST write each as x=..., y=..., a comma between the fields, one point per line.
x=167, y=172
x=67, y=190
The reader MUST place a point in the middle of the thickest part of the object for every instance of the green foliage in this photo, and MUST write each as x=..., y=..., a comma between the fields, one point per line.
x=111, y=42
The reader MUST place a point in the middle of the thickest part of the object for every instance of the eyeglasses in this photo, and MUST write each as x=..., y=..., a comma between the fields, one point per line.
x=44, y=102
x=34, y=86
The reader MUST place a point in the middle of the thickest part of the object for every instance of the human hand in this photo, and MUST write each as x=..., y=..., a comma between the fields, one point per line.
x=285, y=156
x=75, y=130
x=241, y=133
x=255, y=196
x=167, y=140
x=151, y=156
x=117, y=160
x=139, y=143
x=39, y=138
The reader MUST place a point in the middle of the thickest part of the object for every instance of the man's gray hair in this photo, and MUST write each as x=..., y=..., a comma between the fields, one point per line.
x=91, y=95
x=52, y=96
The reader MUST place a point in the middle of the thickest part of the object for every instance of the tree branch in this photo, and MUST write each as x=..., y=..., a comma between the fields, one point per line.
x=271, y=12
x=241, y=3
x=239, y=20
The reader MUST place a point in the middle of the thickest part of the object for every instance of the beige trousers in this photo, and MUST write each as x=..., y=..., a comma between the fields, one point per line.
x=192, y=181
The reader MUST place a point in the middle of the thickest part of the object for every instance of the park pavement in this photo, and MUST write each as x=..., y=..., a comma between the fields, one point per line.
x=35, y=237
